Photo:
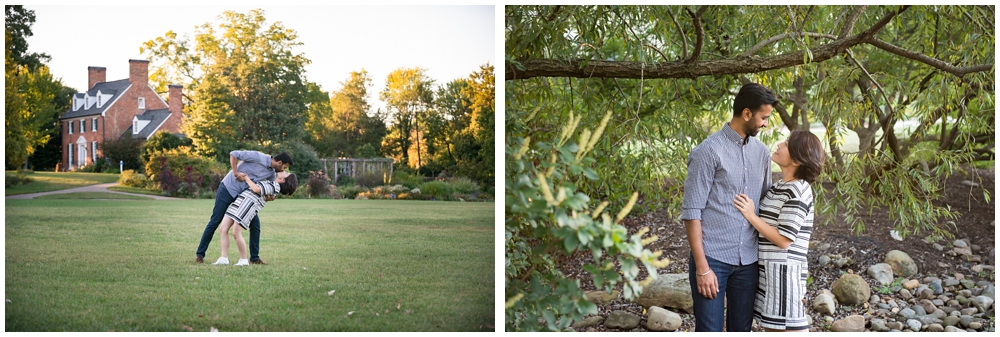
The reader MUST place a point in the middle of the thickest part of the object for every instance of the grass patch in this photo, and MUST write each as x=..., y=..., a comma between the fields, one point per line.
x=54, y=181
x=97, y=265
x=136, y=190
x=93, y=195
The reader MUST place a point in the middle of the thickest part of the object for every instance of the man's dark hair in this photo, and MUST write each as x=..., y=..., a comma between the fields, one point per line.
x=752, y=96
x=291, y=183
x=284, y=158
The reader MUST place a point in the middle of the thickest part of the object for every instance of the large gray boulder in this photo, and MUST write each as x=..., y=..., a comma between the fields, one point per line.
x=901, y=263
x=881, y=272
x=851, y=289
x=668, y=291
x=852, y=323
x=659, y=319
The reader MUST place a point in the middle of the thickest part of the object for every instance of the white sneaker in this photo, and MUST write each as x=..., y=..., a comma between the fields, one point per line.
x=243, y=262
x=222, y=261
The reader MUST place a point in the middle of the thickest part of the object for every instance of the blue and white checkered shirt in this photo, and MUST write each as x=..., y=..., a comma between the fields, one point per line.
x=719, y=169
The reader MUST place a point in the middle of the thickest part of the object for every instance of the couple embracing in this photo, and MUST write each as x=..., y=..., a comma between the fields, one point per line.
x=255, y=178
x=749, y=237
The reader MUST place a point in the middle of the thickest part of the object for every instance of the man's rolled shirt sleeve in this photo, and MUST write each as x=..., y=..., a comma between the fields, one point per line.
x=700, y=176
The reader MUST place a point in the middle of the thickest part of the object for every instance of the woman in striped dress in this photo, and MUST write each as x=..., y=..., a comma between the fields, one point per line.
x=247, y=204
x=784, y=226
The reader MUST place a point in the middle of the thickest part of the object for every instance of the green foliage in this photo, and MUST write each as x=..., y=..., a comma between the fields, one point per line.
x=132, y=179
x=162, y=140
x=180, y=170
x=30, y=108
x=127, y=150
x=16, y=179
x=303, y=155
x=463, y=185
x=351, y=192
x=408, y=96
x=408, y=179
x=367, y=151
x=547, y=218
x=436, y=189
x=341, y=124
x=17, y=24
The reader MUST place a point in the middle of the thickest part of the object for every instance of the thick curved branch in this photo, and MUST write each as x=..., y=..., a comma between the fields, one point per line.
x=851, y=20
x=942, y=65
x=756, y=48
x=733, y=65
x=699, y=33
x=684, y=42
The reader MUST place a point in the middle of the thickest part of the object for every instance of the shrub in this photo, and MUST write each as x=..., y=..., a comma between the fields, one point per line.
x=371, y=179
x=351, y=192
x=161, y=140
x=177, y=161
x=437, y=189
x=345, y=180
x=303, y=155
x=463, y=185
x=17, y=179
x=318, y=184
x=127, y=150
x=407, y=179
x=131, y=179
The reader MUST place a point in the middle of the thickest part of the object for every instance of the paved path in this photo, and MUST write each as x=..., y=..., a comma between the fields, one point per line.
x=89, y=188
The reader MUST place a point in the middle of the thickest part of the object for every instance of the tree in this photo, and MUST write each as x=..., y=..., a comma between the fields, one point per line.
x=482, y=92
x=30, y=100
x=854, y=70
x=343, y=123
x=17, y=22
x=408, y=95
x=252, y=90
x=161, y=141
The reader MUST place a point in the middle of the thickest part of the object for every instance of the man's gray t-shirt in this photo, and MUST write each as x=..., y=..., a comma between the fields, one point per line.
x=256, y=165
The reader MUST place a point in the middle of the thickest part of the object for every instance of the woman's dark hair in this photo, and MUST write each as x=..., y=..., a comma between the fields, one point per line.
x=752, y=96
x=805, y=148
x=291, y=183
x=284, y=158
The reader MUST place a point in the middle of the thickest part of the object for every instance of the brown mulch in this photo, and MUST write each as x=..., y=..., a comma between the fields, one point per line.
x=975, y=224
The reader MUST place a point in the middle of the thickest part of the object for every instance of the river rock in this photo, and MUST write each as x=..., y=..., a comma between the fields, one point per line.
x=936, y=287
x=905, y=294
x=975, y=325
x=895, y=326
x=587, y=322
x=852, y=323
x=919, y=309
x=963, y=251
x=600, y=297
x=881, y=272
x=668, y=291
x=982, y=303
x=926, y=293
x=825, y=303
x=660, y=319
x=965, y=320
x=960, y=243
x=907, y=313
x=878, y=324
x=620, y=319
x=934, y=327
x=989, y=291
x=928, y=306
x=910, y=284
x=938, y=247
x=951, y=320
x=952, y=329
x=951, y=282
x=851, y=289
x=901, y=263
x=969, y=311
x=824, y=260
x=968, y=284
x=914, y=325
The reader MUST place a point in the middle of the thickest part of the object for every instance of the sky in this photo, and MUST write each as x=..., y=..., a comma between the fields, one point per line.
x=450, y=42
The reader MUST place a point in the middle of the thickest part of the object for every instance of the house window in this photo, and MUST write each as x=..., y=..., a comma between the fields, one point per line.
x=93, y=124
x=71, y=127
x=70, y=159
x=135, y=126
x=93, y=151
x=142, y=102
x=83, y=125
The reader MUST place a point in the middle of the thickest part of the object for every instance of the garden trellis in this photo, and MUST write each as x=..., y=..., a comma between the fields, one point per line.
x=355, y=166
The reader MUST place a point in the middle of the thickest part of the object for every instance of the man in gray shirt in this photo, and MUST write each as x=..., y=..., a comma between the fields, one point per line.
x=723, y=262
x=257, y=166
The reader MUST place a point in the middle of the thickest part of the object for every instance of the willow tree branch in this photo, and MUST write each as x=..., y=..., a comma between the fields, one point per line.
x=942, y=65
x=733, y=65
x=852, y=19
x=699, y=33
x=757, y=47
x=684, y=43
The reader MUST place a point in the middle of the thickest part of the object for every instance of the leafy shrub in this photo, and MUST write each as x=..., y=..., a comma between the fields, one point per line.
x=547, y=218
x=370, y=179
x=407, y=179
x=159, y=141
x=131, y=179
x=437, y=189
x=345, y=180
x=17, y=179
x=463, y=185
x=127, y=149
x=318, y=184
x=177, y=161
x=351, y=192
x=303, y=156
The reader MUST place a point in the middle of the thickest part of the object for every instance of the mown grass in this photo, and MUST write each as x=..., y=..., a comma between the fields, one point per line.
x=93, y=195
x=99, y=265
x=52, y=181
x=137, y=190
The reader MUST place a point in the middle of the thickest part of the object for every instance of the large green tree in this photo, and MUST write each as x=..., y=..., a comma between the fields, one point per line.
x=904, y=95
x=249, y=89
x=408, y=95
x=344, y=123
x=18, y=22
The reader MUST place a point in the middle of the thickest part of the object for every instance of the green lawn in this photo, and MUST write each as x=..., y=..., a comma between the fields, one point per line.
x=100, y=265
x=137, y=190
x=52, y=181
x=92, y=195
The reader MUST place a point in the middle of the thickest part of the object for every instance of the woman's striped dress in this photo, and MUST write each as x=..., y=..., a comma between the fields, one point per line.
x=248, y=204
x=780, y=304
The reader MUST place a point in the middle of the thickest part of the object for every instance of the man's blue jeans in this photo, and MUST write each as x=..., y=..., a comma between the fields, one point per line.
x=222, y=201
x=738, y=284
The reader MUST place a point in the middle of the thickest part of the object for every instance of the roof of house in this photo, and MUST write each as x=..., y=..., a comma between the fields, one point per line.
x=155, y=118
x=114, y=88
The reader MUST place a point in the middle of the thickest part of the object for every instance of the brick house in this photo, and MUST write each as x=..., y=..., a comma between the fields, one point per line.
x=113, y=110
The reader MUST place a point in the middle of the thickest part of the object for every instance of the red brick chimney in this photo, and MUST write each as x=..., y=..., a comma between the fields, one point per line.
x=96, y=75
x=138, y=72
x=176, y=107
